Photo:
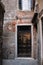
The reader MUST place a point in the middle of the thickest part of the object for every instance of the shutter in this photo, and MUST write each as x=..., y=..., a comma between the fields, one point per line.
x=20, y=4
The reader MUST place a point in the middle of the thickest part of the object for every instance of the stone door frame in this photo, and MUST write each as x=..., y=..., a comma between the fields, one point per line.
x=30, y=24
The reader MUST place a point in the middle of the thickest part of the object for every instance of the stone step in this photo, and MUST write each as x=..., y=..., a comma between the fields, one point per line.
x=20, y=62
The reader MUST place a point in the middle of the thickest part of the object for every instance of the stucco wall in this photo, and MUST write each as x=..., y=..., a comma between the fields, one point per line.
x=40, y=2
x=9, y=34
x=10, y=7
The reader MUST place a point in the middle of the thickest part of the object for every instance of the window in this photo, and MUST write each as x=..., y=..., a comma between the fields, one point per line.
x=26, y=4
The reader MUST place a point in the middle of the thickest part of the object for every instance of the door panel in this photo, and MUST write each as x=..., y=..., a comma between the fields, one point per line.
x=24, y=41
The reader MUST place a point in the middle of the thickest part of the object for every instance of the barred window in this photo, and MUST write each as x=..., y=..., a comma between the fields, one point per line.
x=27, y=5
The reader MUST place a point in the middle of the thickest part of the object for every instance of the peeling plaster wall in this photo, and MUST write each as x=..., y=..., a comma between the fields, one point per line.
x=10, y=8
x=9, y=36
